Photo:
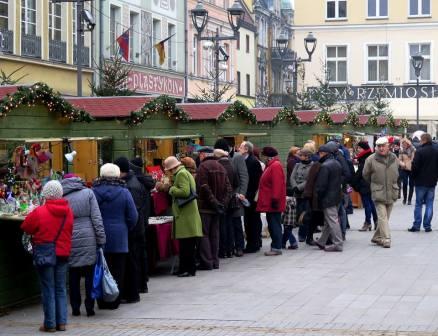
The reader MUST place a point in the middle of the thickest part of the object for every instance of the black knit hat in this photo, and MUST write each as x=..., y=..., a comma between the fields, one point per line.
x=123, y=164
x=269, y=151
x=222, y=144
x=137, y=162
x=364, y=145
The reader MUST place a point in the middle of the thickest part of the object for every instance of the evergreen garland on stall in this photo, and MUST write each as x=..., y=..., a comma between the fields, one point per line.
x=162, y=104
x=390, y=121
x=372, y=121
x=352, y=119
x=286, y=113
x=404, y=123
x=238, y=109
x=323, y=117
x=41, y=93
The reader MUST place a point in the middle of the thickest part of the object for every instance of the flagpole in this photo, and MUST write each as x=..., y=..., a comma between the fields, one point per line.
x=80, y=45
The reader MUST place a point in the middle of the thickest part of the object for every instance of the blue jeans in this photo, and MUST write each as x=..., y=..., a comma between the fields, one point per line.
x=54, y=293
x=274, y=227
x=423, y=195
x=288, y=235
x=370, y=208
x=342, y=214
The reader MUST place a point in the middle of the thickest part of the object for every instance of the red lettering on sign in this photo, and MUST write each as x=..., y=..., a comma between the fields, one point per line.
x=151, y=83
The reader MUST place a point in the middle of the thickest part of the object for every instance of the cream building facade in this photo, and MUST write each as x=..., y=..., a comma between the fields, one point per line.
x=366, y=44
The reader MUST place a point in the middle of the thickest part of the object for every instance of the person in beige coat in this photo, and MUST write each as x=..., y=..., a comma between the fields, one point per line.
x=381, y=171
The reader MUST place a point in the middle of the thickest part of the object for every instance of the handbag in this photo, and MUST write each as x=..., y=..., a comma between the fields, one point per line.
x=110, y=290
x=182, y=202
x=44, y=254
x=96, y=291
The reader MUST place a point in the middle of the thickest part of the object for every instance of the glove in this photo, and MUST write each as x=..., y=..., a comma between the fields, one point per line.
x=274, y=204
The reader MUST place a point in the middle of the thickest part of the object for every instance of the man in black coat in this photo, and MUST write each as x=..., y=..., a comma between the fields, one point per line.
x=425, y=175
x=329, y=192
x=148, y=183
x=252, y=220
x=136, y=236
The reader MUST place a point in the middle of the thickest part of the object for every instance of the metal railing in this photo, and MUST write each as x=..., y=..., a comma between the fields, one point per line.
x=85, y=57
x=31, y=45
x=57, y=51
x=7, y=42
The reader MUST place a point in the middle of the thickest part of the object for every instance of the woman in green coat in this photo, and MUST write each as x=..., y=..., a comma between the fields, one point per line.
x=187, y=223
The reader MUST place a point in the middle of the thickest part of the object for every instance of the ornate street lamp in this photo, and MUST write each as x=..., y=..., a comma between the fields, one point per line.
x=235, y=15
x=282, y=44
x=310, y=45
x=199, y=17
x=417, y=64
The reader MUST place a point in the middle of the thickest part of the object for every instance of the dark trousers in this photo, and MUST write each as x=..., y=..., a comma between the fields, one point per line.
x=275, y=230
x=187, y=255
x=226, y=241
x=370, y=208
x=116, y=263
x=253, y=228
x=238, y=237
x=302, y=205
x=316, y=219
x=209, y=244
x=133, y=268
x=74, y=280
x=407, y=180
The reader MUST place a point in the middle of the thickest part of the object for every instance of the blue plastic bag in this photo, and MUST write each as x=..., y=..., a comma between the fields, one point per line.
x=97, y=291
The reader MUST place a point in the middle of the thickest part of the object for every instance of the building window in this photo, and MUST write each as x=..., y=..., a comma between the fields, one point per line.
x=55, y=21
x=419, y=7
x=115, y=18
x=424, y=50
x=378, y=63
x=4, y=14
x=207, y=62
x=377, y=8
x=28, y=17
x=248, y=85
x=336, y=57
x=247, y=44
x=133, y=40
x=238, y=82
x=156, y=37
x=195, y=55
x=171, y=47
x=336, y=9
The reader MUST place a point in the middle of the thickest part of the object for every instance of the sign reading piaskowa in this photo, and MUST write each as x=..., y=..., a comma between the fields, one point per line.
x=389, y=92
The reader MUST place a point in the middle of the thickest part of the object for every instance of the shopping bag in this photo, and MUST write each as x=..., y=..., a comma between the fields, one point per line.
x=110, y=291
x=96, y=291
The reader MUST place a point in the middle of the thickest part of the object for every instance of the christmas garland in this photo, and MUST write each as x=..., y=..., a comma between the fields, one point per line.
x=352, y=119
x=323, y=117
x=390, y=121
x=41, y=93
x=162, y=104
x=288, y=114
x=238, y=109
x=404, y=123
x=372, y=121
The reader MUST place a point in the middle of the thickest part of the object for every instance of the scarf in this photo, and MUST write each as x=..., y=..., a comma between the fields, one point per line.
x=363, y=153
x=109, y=181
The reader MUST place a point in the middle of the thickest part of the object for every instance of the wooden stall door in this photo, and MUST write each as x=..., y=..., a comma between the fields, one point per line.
x=85, y=162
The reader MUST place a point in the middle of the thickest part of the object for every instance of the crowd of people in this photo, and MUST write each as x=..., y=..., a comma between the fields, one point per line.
x=217, y=202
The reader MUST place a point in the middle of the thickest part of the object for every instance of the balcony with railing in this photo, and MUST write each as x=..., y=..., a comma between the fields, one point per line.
x=85, y=56
x=31, y=45
x=7, y=41
x=58, y=51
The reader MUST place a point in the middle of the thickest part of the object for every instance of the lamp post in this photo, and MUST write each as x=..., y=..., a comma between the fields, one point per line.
x=309, y=45
x=200, y=19
x=417, y=64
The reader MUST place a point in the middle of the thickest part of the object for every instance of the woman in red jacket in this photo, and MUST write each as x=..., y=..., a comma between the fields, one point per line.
x=272, y=197
x=43, y=224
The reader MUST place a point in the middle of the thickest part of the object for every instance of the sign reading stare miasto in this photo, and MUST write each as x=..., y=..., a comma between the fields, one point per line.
x=390, y=91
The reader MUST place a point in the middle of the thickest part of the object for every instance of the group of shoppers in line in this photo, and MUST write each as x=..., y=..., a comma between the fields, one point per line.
x=209, y=201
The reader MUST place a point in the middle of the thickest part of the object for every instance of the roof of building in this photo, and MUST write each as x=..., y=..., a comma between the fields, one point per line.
x=306, y=116
x=107, y=107
x=265, y=114
x=7, y=89
x=205, y=111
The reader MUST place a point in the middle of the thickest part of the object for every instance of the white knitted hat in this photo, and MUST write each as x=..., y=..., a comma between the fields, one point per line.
x=382, y=141
x=109, y=170
x=52, y=190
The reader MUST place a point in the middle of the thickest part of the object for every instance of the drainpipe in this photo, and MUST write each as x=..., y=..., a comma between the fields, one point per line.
x=101, y=38
x=186, y=54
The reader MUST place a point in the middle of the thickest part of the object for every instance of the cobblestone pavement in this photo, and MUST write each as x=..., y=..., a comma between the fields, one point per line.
x=366, y=290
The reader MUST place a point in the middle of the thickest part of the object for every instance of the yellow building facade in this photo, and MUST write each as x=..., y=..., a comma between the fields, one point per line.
x=368, y=44
x=40, y=37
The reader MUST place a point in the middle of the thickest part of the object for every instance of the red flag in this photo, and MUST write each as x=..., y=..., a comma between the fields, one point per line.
x=123, y=41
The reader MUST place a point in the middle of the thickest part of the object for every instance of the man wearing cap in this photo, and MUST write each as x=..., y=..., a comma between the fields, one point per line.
x=329, y=193
x=272, y=197
x=381, y=171
x=136, y=237
x=425, y=174
x=214, y=190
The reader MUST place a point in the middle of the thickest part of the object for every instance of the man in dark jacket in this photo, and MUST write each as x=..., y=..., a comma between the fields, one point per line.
x=214, y=190
x=136, y=240
x=425, y=174
x=148, y=183
x=329, y=192
x=252, y=220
